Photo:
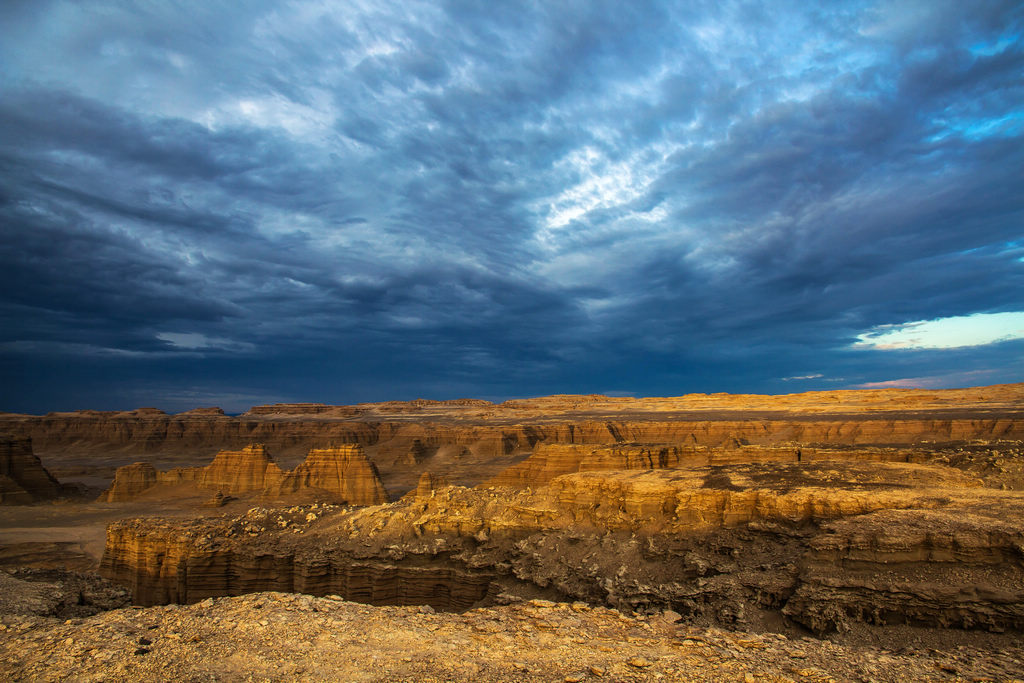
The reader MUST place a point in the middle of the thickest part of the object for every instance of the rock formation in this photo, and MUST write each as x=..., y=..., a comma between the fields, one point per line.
x=842, y=514
x=342, y=472
x=23, y=479
x=473, y=441
x=427, y=484
x=339, y=474
x=550, y=460
x=241, y=471
x=129, y=482
x=826, y=544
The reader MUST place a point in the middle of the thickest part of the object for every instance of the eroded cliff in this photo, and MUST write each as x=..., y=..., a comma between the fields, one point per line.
x=340, y=474
x=472, y=441
x=739, y=545
x=23, y=479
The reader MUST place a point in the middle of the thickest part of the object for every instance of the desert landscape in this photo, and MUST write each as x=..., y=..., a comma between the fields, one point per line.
x=365, y=340
x=872, y=535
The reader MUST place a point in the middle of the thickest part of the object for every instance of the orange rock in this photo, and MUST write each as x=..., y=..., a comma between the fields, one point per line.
x=343, y=472
x=340, y=474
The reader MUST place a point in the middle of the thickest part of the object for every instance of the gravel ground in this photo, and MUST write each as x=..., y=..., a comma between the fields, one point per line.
x=286, y=637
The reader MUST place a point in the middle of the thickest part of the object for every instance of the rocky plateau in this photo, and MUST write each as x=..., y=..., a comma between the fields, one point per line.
x=848, y=535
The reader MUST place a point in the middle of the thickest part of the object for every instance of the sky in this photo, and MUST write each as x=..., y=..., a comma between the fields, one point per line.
x=224, y=203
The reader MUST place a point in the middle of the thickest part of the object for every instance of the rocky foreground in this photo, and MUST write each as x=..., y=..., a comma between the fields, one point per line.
x=284, y=637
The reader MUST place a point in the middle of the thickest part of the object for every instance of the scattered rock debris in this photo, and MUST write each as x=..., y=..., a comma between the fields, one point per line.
x=288, y=637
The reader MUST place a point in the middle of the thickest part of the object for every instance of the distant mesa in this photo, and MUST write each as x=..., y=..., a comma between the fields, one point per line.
x=339, y=474
x=419, y=405
x=290, y=409
x=146, y=412
x=204, y=411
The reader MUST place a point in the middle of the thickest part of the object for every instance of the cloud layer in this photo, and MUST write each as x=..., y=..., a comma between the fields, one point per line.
x=361, y=201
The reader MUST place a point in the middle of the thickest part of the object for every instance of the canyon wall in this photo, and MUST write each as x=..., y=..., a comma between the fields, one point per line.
x=466, y=453
x=23, y=479
x=172, y=432
x=472, y=441
x=825, y=544
x=552, y=460
x=393, y=430
x=161, y=565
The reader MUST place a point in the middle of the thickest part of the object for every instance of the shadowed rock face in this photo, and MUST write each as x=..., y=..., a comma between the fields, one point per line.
x=339, y=474
x=130, y=481
x=186, y=576
x=23, y=479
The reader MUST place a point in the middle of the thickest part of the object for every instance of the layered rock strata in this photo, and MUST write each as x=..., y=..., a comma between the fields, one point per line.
x=340, y=474
x=242, y=471
x=550, y=460
x=342, y=471
x=23, y=479
x=951, y=567
x=737, y=545
x=165, y=563
x=472, y=441
x=427, y=484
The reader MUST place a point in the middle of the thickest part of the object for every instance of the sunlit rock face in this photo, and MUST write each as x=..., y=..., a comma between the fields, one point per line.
x=343, y=472
x=821, y=513
x=241, y=471
x=472, y=442
x=130, y=481
x=826, y=544
x=340, y=474
x=397, y=429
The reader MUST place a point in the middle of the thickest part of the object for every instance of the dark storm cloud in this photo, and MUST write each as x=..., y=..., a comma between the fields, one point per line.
x=366, y=200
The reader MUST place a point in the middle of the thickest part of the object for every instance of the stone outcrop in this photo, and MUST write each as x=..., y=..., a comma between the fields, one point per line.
x=957, y=568
x=129, y=482
x=277, y=636
x=169, y=563
x=427, y=484
x=826, y=544
x=23, y=479
x=342, y=472
x=242, y=471
x=339, y=474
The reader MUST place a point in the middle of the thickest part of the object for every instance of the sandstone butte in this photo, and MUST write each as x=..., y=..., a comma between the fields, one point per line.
x=875, y=535
x=339, y=474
